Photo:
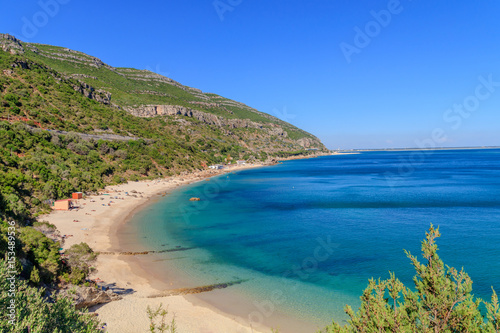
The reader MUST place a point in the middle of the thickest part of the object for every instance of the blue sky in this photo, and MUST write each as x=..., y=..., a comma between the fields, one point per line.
x=414, y=77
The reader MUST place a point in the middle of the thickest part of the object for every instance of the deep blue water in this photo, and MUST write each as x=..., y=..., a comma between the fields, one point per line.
x=268, y=227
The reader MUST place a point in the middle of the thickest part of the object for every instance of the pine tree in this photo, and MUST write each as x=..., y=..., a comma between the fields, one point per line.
x=441, y=302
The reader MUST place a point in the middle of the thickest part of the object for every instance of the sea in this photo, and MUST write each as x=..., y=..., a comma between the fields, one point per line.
x=288, y=246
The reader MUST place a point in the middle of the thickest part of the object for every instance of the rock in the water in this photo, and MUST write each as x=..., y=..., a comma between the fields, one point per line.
x=194, y=199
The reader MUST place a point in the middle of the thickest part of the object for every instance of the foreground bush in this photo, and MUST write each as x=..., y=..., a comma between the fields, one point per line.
x=32, y=313
x=441, y=302
x=79, y=258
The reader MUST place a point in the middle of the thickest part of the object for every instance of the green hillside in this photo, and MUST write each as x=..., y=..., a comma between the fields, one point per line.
x=130, y=88
x=70, y=122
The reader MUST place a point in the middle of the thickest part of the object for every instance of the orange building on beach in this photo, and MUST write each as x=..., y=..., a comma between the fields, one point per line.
x=64, y=204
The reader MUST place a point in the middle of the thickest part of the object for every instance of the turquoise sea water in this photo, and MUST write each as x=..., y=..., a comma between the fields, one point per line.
x=302, y=238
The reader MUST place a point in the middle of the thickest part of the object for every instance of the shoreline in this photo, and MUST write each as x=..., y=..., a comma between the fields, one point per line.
x=99, y=225
x=221, y=297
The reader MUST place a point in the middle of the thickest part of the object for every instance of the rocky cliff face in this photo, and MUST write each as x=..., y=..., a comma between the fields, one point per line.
x=11, y=44
x=148, y=111
x=99, y=95
x=207, y=118
x=307, y=143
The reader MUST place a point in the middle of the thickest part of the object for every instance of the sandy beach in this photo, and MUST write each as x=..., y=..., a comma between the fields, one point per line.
x=95, y=222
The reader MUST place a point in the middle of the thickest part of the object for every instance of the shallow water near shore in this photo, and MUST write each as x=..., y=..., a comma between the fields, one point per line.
x=301, y=239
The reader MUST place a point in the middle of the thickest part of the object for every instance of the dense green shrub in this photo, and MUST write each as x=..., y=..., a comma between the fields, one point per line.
x=42, y=252
x=33, y=313
x=80, y=258
x=441, y=302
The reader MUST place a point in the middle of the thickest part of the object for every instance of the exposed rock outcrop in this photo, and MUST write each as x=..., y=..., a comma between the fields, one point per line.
x=84, y=76
x=86, y=297
x=148, y=111
x=307, y=142
x=11, y=44
x=211, y=105
x=76, y=57
x=20, y=63
x=277, y=130
x=88, y=91
x=170, y=110
x=208, y=118
x=150, y=92
x=148, y=76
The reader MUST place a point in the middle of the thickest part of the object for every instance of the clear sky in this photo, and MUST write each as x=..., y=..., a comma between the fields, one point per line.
x=358, y=74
